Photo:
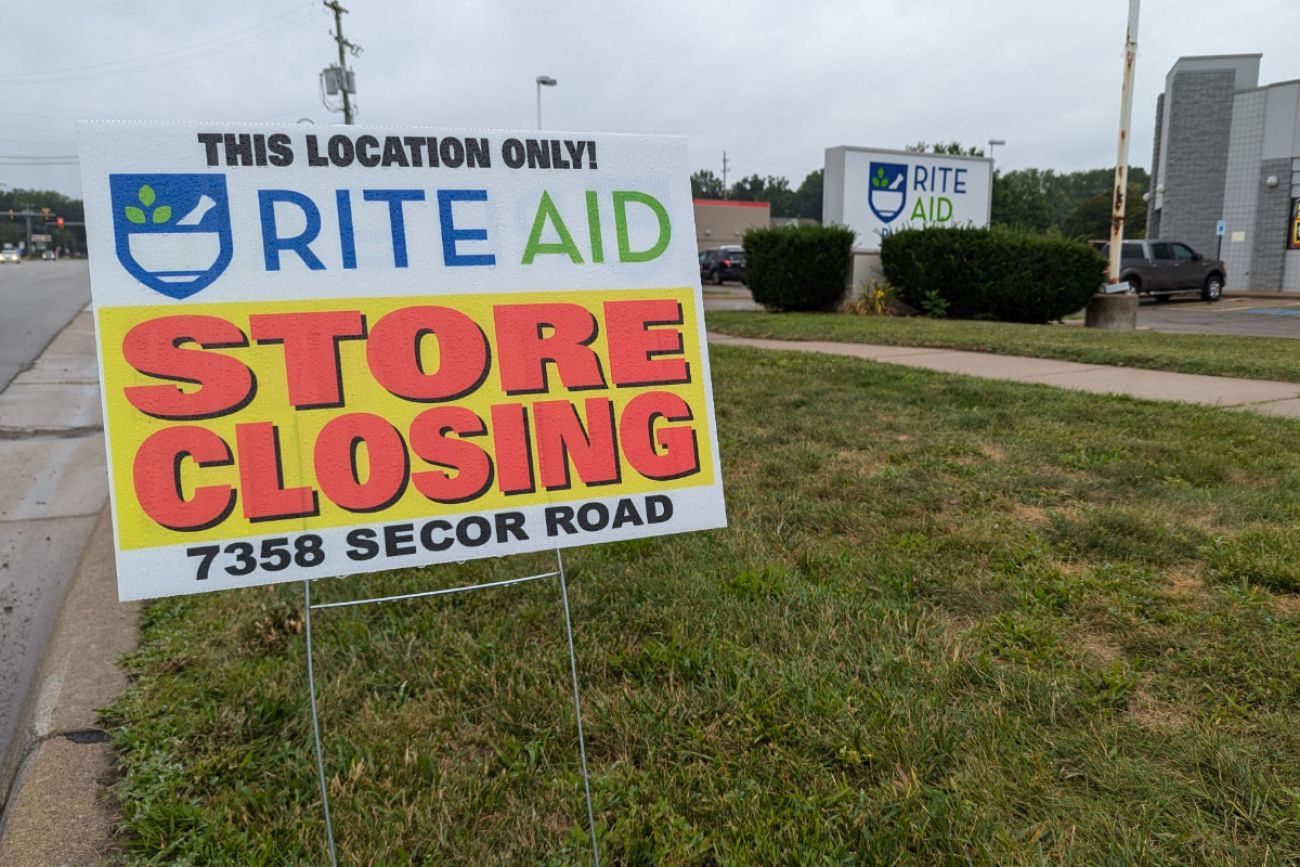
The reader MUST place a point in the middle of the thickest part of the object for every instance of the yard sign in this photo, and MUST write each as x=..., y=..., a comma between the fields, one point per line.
x=328, y=350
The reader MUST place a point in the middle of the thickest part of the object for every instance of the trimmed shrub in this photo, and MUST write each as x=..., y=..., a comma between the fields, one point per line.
x=992, y=273
x=798, y=267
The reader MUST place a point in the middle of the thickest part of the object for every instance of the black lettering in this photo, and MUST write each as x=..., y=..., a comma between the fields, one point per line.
x=557, y=518
x=341, y=151
x=398, y=539
x=539, y=157
x=452, y=153
x=313, y=156
x=557, y=155
x=362, y=544
x=510, y=524
x=364, y=156
x=415, y=142
x=481, y=531
x=239, y=149
x=259, y=149
x=591, y=154
x=210, y=140
x=426, y=535
x=512, y=151
x=575, y=153
x=393, y=153
x=658, y=508
x=593, y=516
x=626, y=513
x=477, y=153
x=281, y=151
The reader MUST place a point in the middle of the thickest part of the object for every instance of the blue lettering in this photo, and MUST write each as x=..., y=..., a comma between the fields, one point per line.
x=451, y=235
x=273, y=244
x=347, y=240
x=959, y=182
x=919, y=177
x=396, y=217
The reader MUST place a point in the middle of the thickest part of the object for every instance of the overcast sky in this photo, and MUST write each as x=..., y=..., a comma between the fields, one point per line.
x=773, y=83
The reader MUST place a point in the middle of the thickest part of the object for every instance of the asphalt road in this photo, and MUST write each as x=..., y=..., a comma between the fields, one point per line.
x=36, y=300
x=1256, y=317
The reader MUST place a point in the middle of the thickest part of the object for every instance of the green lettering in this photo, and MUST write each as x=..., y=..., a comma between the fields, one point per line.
x=593, y=228
x=546, y=210
x=625, y=251
x=918, y=210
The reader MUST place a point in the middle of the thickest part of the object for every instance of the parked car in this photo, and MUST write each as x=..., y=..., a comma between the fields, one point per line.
x=9, y=255
x=47, y=256
x=722, y=263
x=1162, y=268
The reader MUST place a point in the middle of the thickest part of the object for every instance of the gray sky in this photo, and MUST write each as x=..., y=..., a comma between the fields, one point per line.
x=772, y=82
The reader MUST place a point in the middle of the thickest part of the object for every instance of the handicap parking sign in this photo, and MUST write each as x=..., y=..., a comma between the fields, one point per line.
x=172, y=230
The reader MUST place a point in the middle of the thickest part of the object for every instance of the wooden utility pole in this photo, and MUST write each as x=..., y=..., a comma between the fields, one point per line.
x=1121, y=164
x=339, y=11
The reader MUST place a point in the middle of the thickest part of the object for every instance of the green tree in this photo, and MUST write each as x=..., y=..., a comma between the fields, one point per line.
x=1019, y=202
x=1090, y=219
x=952, y=148
x=705, y=185
x=773, y=190
x=808, y=198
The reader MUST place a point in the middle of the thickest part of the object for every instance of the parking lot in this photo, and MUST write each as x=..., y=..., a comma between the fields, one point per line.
x=1258, y=317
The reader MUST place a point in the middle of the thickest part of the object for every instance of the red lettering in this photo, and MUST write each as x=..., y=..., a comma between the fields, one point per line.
x=311, y=351
x=561, y=437
x=338, y=462
x=633, y=345
x=471, y=465
x=514, y=451
x=154, y=348
x=157, y=477
x=261, y=476
x=533, y=335
x=394, y=347
x=669, y=452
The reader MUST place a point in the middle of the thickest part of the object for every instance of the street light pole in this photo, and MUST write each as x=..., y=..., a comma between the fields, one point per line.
x=542, y=81
x=994, y=142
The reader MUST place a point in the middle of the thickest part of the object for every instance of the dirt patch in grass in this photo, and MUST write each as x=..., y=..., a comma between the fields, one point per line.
x=1100, y=645
x=1149, y=712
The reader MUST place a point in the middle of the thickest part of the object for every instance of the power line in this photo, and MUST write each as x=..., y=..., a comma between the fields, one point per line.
x=174, y=57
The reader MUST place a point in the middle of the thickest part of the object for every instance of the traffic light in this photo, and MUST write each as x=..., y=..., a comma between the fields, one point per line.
x=59, y=222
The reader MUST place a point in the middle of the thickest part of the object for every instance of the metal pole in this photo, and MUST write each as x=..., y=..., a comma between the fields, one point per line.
x=577, y=709
x=1121, y=162
x=315, y=725
x=539, y=105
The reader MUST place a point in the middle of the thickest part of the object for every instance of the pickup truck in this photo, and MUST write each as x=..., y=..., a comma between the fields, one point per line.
x=1161, y=268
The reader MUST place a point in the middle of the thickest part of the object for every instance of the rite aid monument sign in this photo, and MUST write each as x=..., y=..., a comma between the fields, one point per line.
x=876, y=192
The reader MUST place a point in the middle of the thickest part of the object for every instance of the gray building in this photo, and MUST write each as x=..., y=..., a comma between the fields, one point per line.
x=1228, y=149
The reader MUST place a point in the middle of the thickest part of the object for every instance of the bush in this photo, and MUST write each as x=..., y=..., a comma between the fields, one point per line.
x=992, y=273
x=798, y=267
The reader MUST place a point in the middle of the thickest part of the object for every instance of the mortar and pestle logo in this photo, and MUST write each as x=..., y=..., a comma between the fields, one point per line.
x=174, y=255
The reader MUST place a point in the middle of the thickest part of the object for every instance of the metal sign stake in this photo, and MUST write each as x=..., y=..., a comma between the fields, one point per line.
x=308, y=607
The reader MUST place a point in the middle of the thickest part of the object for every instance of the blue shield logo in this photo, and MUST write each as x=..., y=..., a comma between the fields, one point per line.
x=888, y=191
x=172, y=230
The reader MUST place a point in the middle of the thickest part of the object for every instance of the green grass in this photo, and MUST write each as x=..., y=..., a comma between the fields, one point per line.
x=1275, y=358
x=952, y=622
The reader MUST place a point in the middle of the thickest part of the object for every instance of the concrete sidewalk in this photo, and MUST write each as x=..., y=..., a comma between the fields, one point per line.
x=1268, y=398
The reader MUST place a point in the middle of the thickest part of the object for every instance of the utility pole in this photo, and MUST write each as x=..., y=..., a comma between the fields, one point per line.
x=343, y=67
x=1121, y=164
x=724, y=175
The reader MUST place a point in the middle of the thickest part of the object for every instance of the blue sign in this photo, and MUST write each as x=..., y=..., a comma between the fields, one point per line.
x=1221, y=228
x=172, y=230
x=887, y=193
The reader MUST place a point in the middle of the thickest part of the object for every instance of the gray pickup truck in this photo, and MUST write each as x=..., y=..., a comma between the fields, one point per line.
x=1161, y=268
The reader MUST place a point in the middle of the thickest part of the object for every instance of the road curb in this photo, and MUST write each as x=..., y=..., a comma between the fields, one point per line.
x=60, y=808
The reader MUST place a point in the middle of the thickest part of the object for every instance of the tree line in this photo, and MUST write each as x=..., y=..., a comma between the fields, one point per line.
x=13, y=228
x=1075, y=204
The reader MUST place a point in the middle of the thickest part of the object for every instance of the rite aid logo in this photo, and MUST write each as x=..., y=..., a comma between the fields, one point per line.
x=888, y=191
x=172, y=230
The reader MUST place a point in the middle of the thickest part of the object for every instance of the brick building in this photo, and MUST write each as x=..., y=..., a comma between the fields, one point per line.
x=1228, y=149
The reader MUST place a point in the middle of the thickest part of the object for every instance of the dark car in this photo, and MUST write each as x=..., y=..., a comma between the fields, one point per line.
x=722, y=263
x=1162, y=268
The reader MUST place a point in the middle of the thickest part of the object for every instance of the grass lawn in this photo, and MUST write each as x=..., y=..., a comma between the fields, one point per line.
x=952, y=622
x=1276, y=358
